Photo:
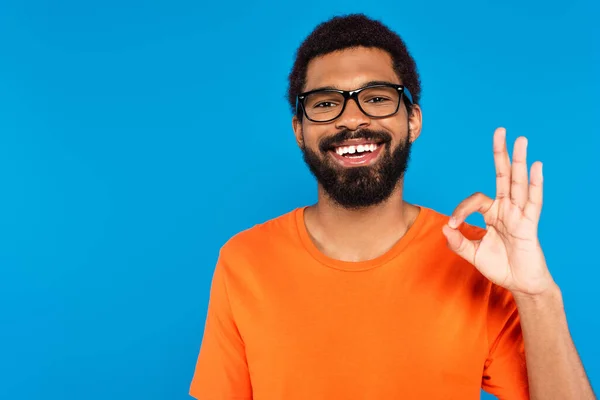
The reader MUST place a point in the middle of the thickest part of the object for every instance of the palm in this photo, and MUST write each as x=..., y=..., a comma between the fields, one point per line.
x=509, y=254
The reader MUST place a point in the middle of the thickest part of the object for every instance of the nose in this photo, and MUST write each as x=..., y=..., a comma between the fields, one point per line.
x=352, y=118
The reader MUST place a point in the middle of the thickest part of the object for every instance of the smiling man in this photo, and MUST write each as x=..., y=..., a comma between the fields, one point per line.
x=365, y=296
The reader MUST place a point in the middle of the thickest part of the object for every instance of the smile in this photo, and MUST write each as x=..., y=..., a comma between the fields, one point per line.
x=356, y=152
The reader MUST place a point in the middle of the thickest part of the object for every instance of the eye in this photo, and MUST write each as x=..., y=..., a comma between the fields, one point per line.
x=325, y=104
x=377, y=99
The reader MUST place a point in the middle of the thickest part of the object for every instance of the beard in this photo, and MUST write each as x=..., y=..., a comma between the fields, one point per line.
x=364, y=186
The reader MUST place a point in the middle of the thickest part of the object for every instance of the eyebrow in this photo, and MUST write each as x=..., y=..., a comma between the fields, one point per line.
x=333, y=87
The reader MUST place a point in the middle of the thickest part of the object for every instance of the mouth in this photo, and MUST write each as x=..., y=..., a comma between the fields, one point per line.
x=359, y=152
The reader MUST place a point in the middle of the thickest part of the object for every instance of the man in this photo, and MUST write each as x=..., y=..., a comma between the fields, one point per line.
x=365, y=296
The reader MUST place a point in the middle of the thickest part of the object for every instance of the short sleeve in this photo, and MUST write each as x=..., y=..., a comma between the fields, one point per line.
x=221, y=370
x=505, y=370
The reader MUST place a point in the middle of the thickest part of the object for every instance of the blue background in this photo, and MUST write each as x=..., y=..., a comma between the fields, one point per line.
x=137, y=137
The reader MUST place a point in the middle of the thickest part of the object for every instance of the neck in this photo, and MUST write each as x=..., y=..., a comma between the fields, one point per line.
x=359, y=235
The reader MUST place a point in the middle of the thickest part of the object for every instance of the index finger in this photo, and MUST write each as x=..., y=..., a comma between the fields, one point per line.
x=477, y=202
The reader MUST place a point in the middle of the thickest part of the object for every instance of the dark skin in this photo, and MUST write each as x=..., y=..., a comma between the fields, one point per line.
x=326, y=221
x=510, y=254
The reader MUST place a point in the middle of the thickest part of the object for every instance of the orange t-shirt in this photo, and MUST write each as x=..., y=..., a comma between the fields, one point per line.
x=286, y=322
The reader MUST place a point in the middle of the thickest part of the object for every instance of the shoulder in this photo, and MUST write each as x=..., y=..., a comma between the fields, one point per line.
x=261, y=237
x=499, y=302
x=451, y=264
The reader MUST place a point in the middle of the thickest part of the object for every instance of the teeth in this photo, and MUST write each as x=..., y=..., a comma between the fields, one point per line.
x=355, y=149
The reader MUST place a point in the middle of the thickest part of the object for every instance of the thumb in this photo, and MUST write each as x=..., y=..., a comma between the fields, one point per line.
x=459, y=244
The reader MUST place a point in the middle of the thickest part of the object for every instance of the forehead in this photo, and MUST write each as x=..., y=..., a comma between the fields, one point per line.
x=350, y=69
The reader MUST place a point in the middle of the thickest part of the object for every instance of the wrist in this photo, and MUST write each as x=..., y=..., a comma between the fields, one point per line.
x=549, y=296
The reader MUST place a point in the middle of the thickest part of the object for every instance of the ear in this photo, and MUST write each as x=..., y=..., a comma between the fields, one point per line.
x=415, y=122
x=297, y=126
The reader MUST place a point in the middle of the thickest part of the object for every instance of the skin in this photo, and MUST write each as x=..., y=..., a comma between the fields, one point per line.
x=326, y=222
x=510, y=253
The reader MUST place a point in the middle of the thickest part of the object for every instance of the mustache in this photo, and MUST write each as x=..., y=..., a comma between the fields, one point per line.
x=330, y=142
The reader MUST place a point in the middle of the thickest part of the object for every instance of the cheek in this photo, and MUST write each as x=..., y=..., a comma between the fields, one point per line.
x=398, y=128
x=313, y=134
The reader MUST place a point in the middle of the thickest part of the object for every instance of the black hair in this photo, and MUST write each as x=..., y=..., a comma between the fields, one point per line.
x=354, y=30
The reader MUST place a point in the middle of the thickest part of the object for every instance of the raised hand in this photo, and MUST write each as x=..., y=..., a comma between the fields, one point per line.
x=509, y=254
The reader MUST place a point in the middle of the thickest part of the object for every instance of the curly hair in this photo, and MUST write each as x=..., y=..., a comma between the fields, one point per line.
x=354, y=30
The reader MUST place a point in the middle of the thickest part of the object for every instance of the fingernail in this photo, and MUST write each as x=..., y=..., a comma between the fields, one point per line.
x=452, y=222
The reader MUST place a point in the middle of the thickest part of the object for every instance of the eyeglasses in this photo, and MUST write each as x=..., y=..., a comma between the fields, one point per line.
x=375, y=101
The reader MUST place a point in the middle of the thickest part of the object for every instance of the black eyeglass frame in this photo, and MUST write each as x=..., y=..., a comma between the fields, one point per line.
x=353, y=94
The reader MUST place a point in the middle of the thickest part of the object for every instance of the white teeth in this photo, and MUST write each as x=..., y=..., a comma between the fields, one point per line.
x=356, y=149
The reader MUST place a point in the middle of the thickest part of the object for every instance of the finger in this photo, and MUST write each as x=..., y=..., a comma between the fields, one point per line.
x=533, y=208
x=477, y=202
x=460, y=244
x=518, y=188
x=502, y=163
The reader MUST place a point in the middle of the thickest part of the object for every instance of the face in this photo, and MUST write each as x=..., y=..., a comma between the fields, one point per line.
x=357, y=160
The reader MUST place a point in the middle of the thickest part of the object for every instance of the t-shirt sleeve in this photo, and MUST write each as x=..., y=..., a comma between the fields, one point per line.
x=221, y=370
x=505, y=370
